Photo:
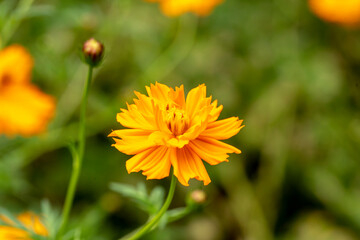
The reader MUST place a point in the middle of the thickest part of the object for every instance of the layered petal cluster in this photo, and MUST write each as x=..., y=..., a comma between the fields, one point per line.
x=164, y=129
x=178, y=7
x=30, y=225
x=25, y=110
x=344, y=12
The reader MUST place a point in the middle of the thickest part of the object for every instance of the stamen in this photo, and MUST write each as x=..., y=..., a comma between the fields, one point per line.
x=176, y=120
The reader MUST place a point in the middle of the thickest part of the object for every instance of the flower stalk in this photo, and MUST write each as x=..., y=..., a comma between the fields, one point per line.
x=78, y=155
x=155, y=220
x=92, y=52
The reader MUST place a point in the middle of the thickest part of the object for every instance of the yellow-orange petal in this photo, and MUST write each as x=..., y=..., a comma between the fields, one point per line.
x=159, y=92
x=133, y=141
x=195, y=100
x=178, y=96
x=212, y=151
x=160, y=123
x=223, y=129
x=156, y=158
x=12, y=233
x=215, y=112
x=132, y=118
x=25, y=110
x=176, y=142
x=198, y=123
x=33, y=223
x=200, y=7
x=159, y=169
x=345, y=12
x=123, y=133
x=220, y=145
x=134, y=146
x=15, y=66
x=145, y=105
x=188, y=165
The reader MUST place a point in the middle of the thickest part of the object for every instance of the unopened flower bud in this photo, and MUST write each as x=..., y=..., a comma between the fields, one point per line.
x=198, y=196
x=93, y=52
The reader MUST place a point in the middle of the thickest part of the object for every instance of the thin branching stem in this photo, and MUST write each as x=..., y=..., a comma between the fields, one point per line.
x=155, y=220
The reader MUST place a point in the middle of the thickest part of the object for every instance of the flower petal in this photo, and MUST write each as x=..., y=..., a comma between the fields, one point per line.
x=175, y=7
x=215, y=112
x=195, y=100
x=133, y=145
x=160, y=120
x=176, y=142
x=197, y=166
x=223, y=129
x=7, y=232
x=154, y=163
x=188, y=165
x=159, y=169
x=25, y=110
x=16, y=64
x=159, y=92
x=33, y=223
x=178, y=96
x=123, y=133
x=212, y=150
x=132, y=118
x=198, y=124
x=144, y=104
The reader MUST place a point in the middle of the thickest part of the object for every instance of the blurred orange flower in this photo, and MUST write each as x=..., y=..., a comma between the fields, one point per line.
x=344, y=12
x=166, y=130
x=31, y=224
x=25, y=110
x=177, y=7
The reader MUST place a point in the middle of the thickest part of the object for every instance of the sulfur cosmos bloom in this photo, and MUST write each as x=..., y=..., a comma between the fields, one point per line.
x=178, y=7
x=28, y=225
x=25, y=110
x=345, y=12
x=165, y=129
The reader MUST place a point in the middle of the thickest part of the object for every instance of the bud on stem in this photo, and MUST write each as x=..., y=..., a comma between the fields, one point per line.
x=197, y=197
x=93, y=52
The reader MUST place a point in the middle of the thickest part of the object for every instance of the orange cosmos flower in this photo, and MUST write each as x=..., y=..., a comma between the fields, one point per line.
x=25, y=110
x=31, y=225
x=344, y=11
x=177, y=7
x=166, y=130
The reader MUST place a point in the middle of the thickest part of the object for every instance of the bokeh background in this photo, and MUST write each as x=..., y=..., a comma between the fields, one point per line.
x=293, y=78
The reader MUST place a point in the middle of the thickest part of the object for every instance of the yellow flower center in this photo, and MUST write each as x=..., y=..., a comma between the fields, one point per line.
x=176, y=120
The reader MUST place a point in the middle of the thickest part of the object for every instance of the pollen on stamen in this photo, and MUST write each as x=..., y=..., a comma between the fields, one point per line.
x=176, y=120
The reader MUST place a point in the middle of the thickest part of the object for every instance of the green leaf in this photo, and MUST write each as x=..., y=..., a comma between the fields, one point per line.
x=148, y=203
x=51, y=218
x=157, y=197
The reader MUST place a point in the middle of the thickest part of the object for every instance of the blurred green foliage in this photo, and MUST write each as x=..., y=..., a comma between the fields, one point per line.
x=293, y=78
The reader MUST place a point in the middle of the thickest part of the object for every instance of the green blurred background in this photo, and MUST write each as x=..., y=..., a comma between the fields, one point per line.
x=294, y=79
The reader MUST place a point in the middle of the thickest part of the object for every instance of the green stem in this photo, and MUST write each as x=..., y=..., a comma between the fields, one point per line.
x=78, y=155
x=83, y=115
x=154, y=221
